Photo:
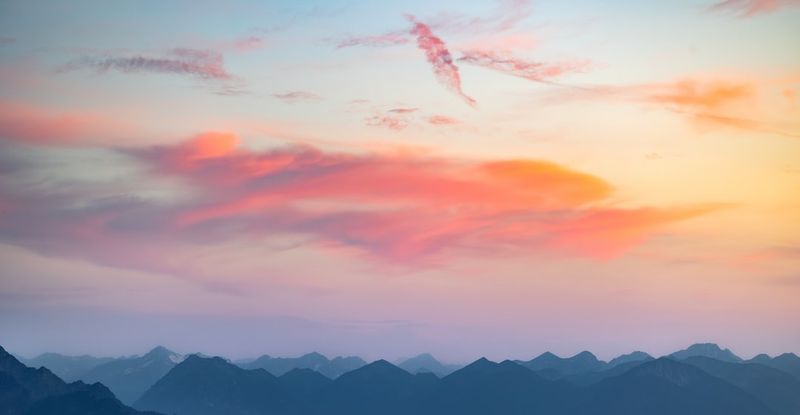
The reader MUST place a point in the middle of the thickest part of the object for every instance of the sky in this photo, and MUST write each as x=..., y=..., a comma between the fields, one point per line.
x=466, y=178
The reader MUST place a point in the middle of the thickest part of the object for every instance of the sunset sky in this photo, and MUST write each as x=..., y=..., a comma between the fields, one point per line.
x=466, y=178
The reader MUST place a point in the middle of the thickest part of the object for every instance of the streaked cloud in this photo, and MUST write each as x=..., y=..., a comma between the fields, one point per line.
x=204, y=64
x=506, y=63
x=440, y=58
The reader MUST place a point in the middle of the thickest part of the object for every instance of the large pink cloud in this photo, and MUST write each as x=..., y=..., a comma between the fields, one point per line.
x=400, y=208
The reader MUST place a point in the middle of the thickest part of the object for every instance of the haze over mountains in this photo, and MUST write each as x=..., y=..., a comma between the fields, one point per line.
x=702, y=379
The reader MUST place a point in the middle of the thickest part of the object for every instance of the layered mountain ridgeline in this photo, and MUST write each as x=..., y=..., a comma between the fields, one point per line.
x=209, y=386
x=427, y=363
x=27, y=391
x=787, y=362
x=331, y=368
x=130, y=377
x=68, y=368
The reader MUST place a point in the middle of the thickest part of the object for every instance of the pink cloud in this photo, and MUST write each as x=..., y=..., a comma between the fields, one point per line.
x=749, y=8
x=405, y=208
x=439, y=57
x=534, y=71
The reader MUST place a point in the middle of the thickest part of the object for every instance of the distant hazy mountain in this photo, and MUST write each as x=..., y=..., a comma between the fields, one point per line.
x=667, y=387
x=787, y=362
x=314, y=361
x=706, y=350
x=27, y=391
x=630, y=357
x=778, y=390
x=68, y=368
x=130, y=377
x=212, y=386
x=553, y=367
x=426, y=363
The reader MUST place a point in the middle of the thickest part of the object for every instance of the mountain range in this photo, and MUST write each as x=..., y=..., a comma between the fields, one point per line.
x=702, y=379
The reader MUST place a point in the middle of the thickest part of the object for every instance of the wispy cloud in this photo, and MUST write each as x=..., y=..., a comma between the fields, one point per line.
x=204, y=64
x=386, y=39
x=506, y=63
x=389, y=121
x=442, y=120
x=440, y=58
x=506, y=15
x=293, y=97
x=750, y=8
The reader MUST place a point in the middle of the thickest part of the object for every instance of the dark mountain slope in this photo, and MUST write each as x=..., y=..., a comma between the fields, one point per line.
x=778, y=390
x=667, y=387
x=212, y=386
x=485, y=387
x=377, y=388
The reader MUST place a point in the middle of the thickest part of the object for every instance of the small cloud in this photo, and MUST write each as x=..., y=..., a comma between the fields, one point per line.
x=293, y=97
x=388, y=121
x=6, y=40
x=442, y=120
x=403, y=110
x=653, y=156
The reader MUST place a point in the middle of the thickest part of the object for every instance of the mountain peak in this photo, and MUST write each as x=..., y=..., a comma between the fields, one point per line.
x=707, y=350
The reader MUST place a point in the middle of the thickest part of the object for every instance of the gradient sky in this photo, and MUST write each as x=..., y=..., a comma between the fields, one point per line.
x=467, y=178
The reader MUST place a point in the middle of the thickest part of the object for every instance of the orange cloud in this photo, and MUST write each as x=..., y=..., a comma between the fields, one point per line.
x=705, y=96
